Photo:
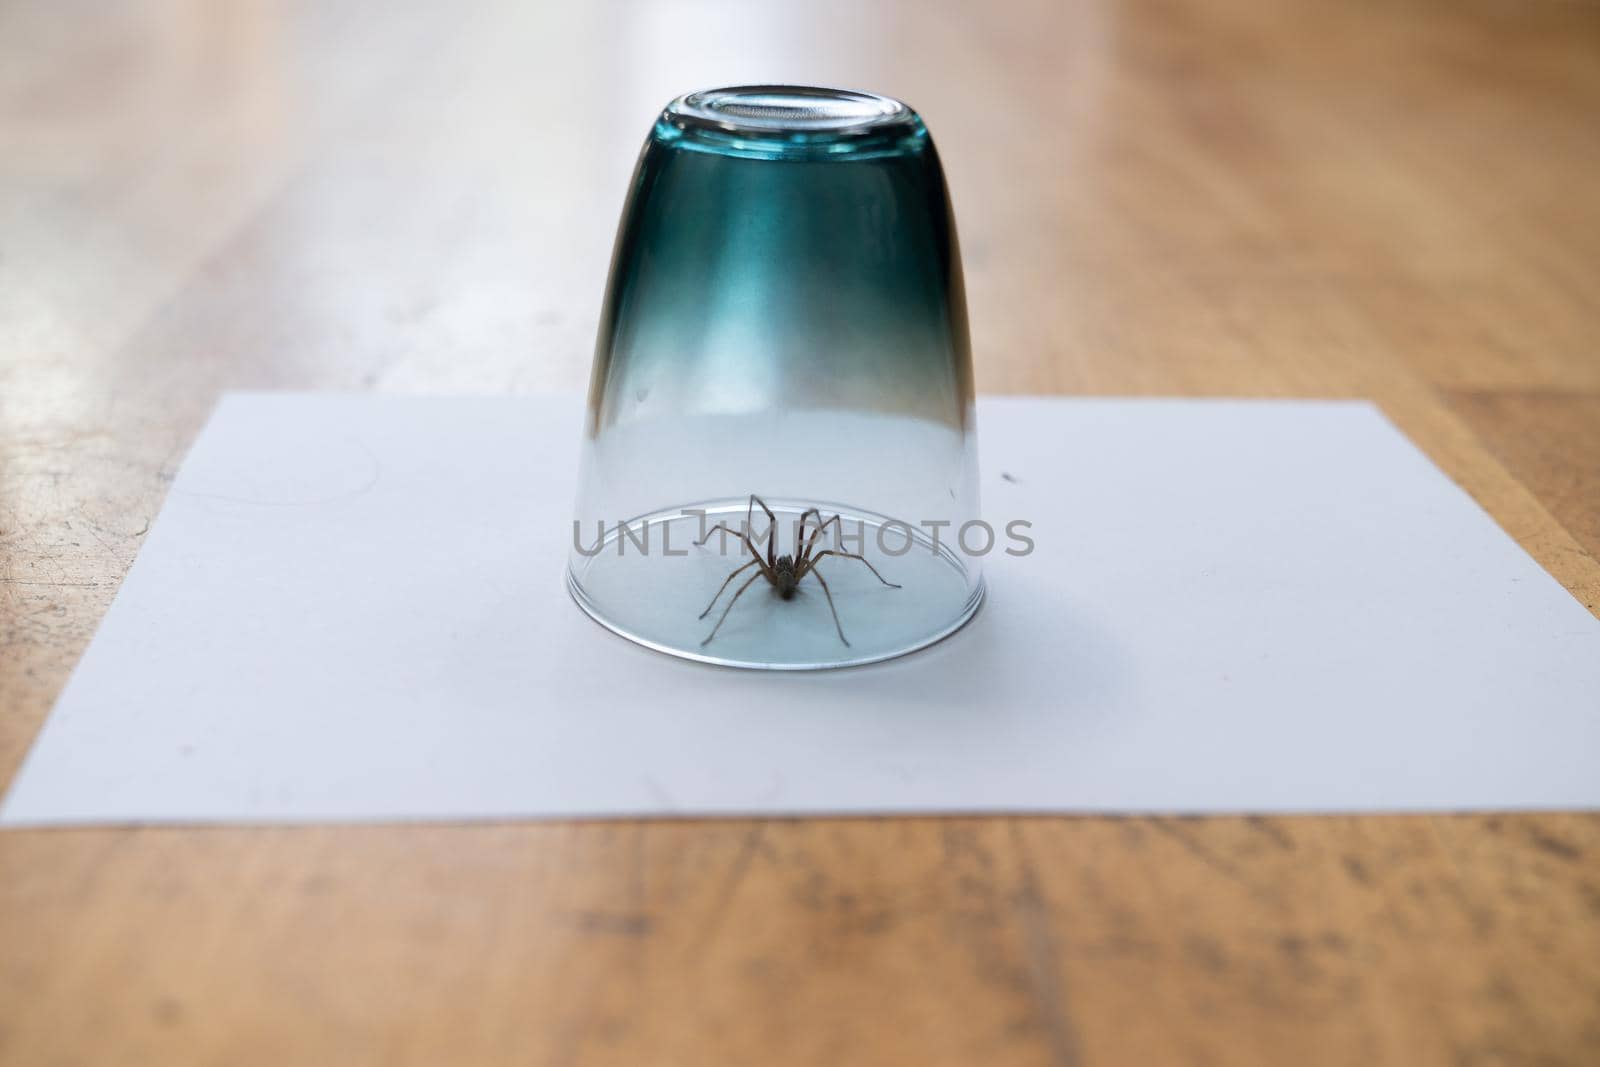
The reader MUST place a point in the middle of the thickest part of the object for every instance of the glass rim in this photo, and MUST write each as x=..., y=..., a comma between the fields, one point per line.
x=790, y=121
x=786, y=109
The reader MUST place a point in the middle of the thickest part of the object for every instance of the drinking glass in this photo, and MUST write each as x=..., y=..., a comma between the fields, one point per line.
x=784, y=319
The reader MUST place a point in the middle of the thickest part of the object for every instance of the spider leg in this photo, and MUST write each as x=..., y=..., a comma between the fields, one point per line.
x=731, y=603
x=800, y=543
x=741, y=536
x=806, y=555
x=852, y=555
x=772, y=527
x=829, y=594
x=800, y=532
x=725, y=583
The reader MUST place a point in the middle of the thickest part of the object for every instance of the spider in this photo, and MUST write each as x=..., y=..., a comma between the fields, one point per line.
x=784, y=572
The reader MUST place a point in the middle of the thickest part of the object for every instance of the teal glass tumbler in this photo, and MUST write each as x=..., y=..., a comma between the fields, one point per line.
x=785, y=320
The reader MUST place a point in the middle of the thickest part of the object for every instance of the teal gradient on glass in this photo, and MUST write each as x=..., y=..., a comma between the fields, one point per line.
x=785, y=316
x=793, y=269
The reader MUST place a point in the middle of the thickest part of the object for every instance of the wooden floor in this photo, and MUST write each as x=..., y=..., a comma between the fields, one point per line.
x=1396, y=200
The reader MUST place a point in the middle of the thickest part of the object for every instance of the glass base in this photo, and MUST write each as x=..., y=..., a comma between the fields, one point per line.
x=652, y=583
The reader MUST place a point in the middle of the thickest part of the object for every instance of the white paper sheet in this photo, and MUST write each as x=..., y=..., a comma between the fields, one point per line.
x=352, y=608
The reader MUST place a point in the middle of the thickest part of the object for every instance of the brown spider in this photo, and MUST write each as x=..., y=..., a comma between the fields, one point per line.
x=784, y=572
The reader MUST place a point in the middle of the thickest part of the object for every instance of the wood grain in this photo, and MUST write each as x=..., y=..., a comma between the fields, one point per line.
x=1391, y=200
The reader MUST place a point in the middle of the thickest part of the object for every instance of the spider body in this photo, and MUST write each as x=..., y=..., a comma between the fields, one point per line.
x=783, y=573
x=784, y=579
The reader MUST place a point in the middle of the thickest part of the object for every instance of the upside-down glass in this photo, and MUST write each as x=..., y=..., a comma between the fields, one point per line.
x=785, y=317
